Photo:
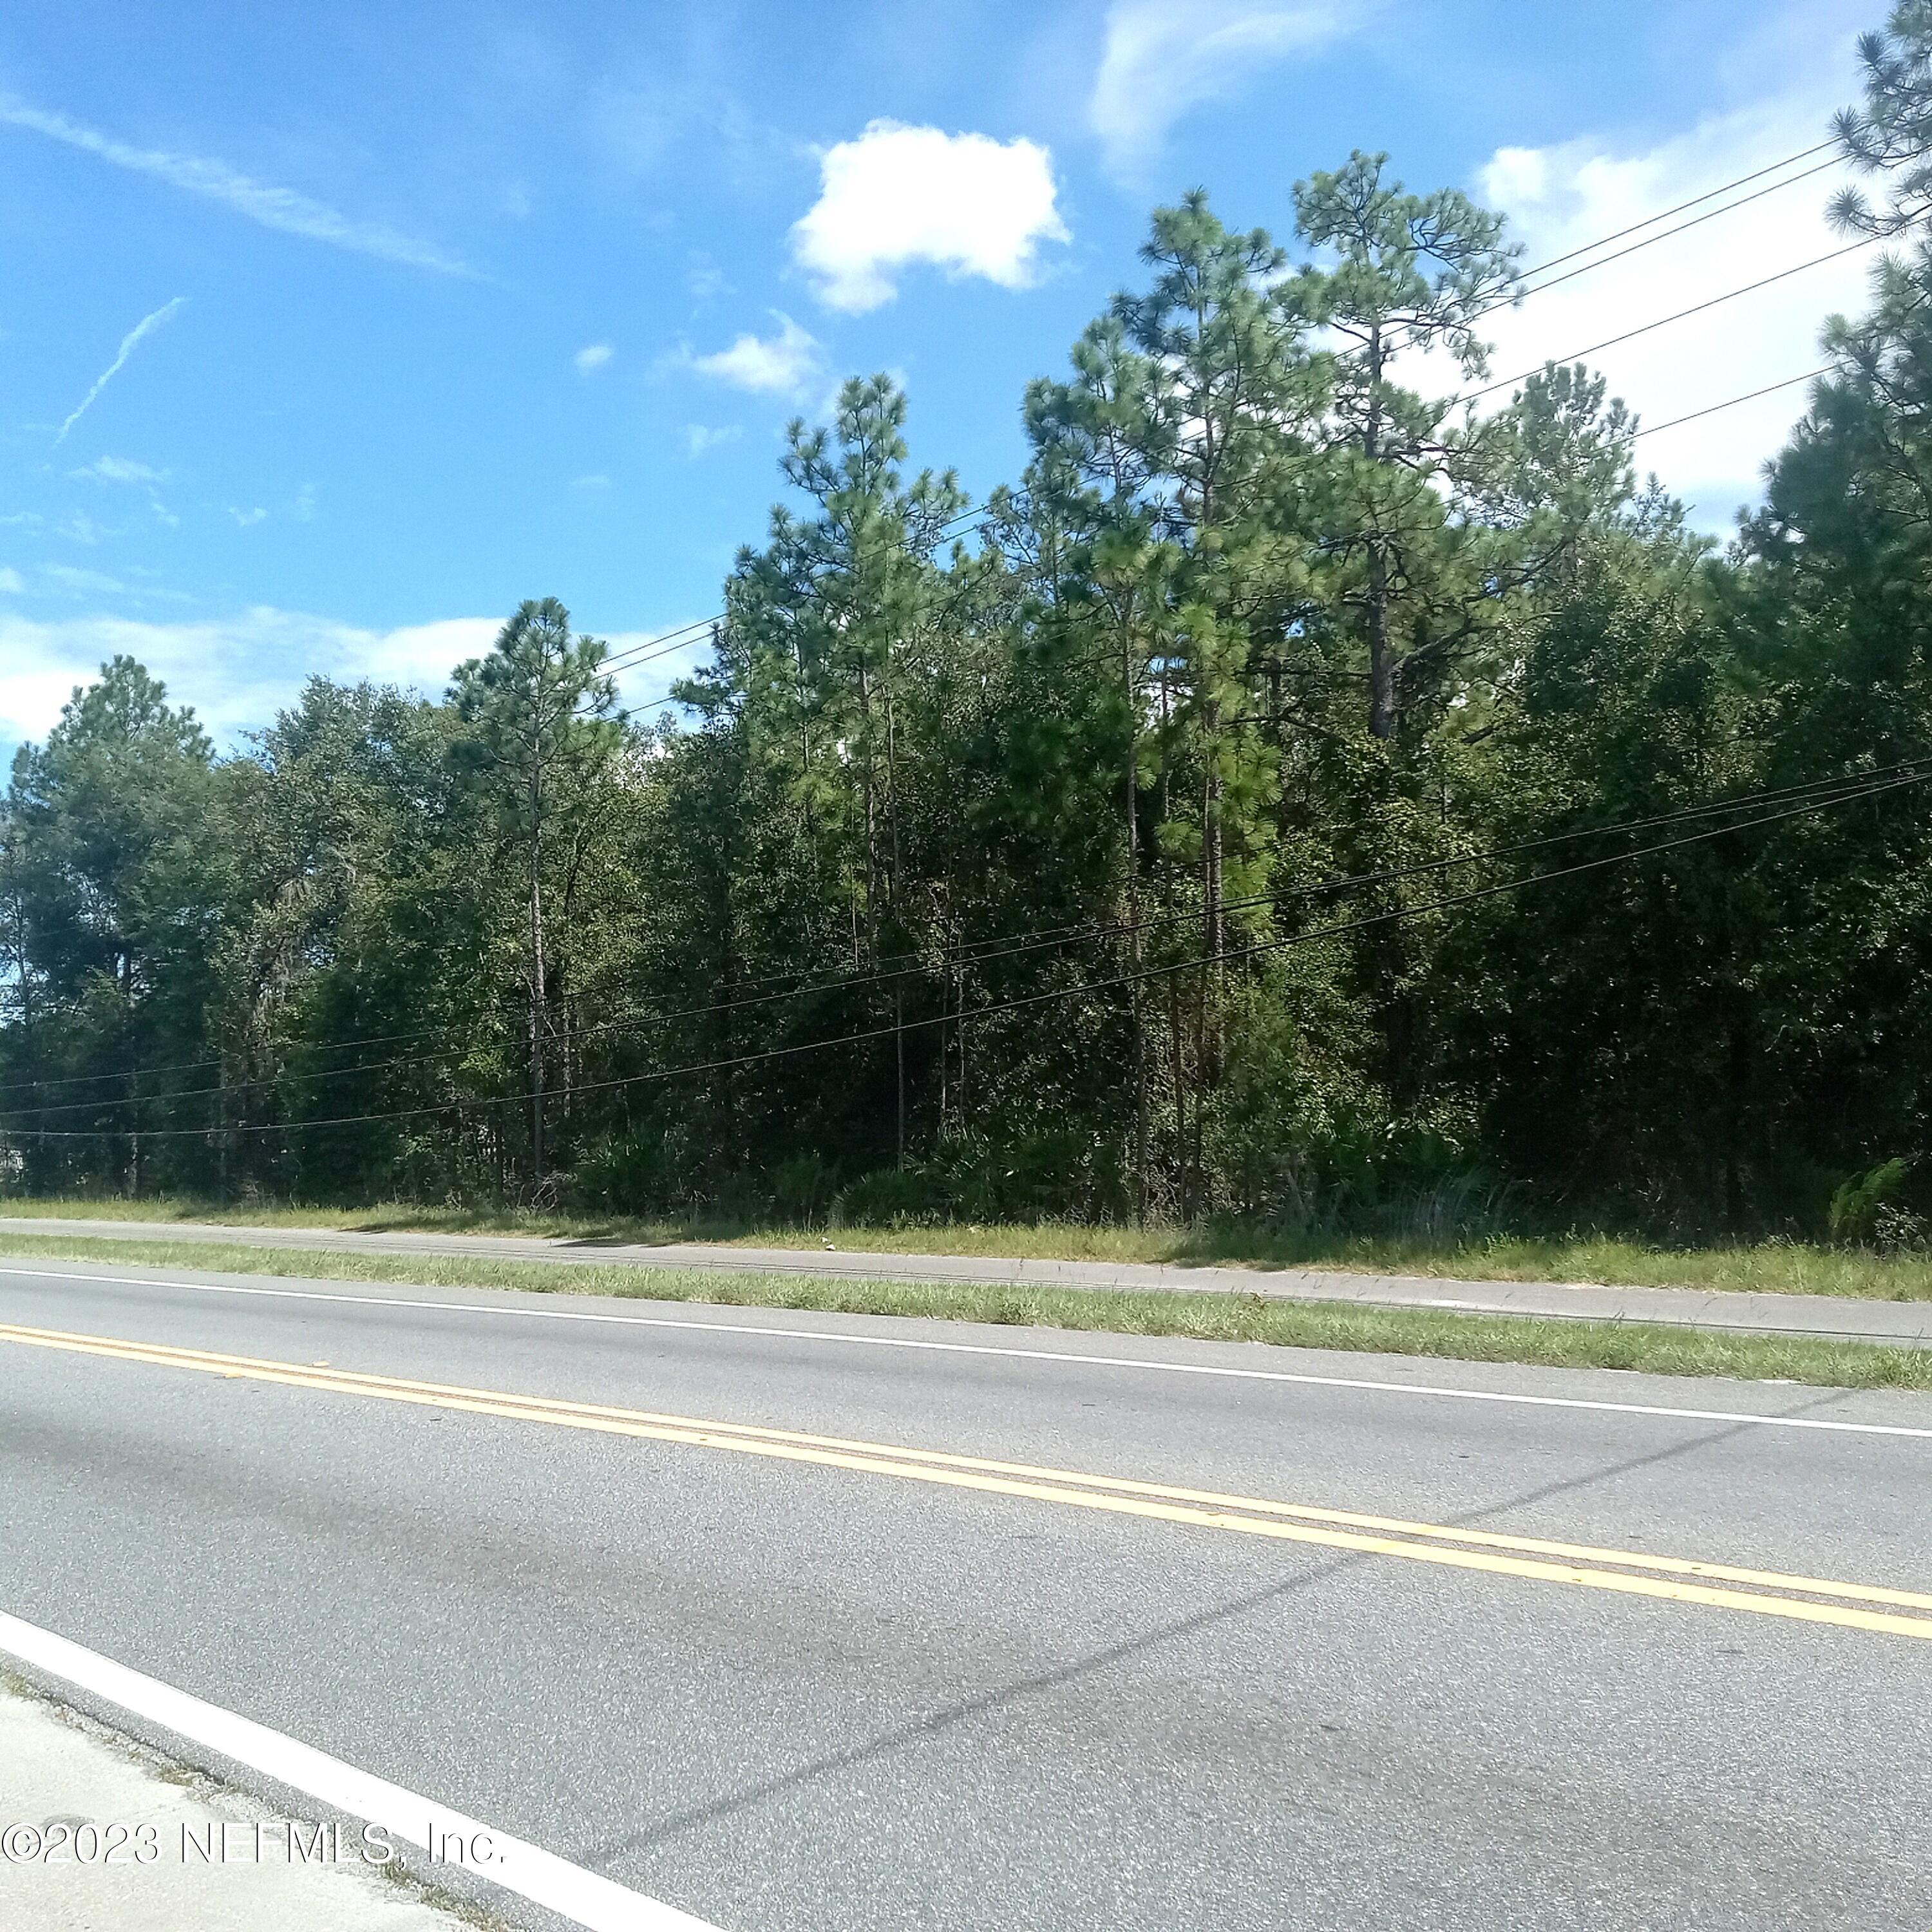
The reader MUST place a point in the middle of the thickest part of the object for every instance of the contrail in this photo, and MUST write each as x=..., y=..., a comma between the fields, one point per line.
x=129, y=344
x=264, y=202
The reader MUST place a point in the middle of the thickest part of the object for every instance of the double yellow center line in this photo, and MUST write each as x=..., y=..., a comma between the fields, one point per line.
x=1672, y=1579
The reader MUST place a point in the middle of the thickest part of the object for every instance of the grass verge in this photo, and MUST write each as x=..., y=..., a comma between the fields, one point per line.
x=1648, y=1349
x=1781, y=1267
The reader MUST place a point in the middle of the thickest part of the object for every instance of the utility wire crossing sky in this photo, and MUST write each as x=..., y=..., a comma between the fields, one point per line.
x=311, y=371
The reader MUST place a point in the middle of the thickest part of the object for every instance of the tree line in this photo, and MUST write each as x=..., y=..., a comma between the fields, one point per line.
x=1301, y=794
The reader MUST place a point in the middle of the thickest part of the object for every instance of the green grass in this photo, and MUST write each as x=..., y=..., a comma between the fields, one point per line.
x=1782, y=1267
x=1651, y=1350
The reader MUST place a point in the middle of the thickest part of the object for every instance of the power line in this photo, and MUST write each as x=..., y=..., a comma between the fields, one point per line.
x=1732, y=402
x=662, y=646
x=1680, y=315
x=992, y=1009
x=1517, y=292
x=1629, y=335
x=1823, y=791
x=688, y=635
x=1651, y=241
x=1742, y=180
x=1504, y=301
x=1027, y=1000
x=1071, y=935
x=989, y=951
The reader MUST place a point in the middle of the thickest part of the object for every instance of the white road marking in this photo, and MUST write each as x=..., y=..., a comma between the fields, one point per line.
x=599, y=1904
x=56, y=1273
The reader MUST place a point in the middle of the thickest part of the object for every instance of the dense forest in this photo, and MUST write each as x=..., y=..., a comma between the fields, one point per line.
x=1301, y=795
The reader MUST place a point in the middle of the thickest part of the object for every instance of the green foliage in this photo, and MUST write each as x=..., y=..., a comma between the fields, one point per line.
x=1862, y=1205
x=1892, y=134
x=1091, y=866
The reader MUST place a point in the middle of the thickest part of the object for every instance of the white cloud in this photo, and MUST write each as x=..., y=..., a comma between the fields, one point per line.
x=1559, y=198
x=779, y=364
x=78, y=582
x=11, y=584
x=94, y=583
x=238, y=670
x=898, y=195
x=118, y=469
x=592, y=357
x=121, y=471
x=1159, y=61
x=597, y=480
x=246, y=519
x=131, y=341
x=642, y=686
x=698, y=437
x=420, y=657
x=277, y=207
x=704, y=279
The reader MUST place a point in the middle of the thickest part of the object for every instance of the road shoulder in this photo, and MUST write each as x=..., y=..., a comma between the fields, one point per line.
x=1818, y=1318
x=96, y=1831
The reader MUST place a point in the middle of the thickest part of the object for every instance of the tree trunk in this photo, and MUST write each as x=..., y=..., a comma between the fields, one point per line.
x=1215, y=931
x=892, y=903
x=1177, y=1041
x=134, y=1078
x=898, y=1049
x=1129, y=802
x=1384, y=674
x=539, y=1018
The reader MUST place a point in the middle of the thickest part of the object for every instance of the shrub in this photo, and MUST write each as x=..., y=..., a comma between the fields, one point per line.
x=1866, y=1205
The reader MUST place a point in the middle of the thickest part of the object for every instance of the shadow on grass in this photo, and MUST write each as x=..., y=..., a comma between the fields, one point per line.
x=1775, y=1267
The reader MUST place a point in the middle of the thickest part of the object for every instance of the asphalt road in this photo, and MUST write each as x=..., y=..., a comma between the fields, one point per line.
x=785, y=1684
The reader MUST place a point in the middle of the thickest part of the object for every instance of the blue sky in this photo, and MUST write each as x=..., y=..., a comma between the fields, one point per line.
x=406, y=313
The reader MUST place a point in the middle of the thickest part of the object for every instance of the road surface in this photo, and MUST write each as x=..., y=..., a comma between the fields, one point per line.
x=804, y=1624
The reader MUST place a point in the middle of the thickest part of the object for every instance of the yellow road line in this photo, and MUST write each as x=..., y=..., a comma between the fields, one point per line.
x=1491, y=1553
x=352, y=1381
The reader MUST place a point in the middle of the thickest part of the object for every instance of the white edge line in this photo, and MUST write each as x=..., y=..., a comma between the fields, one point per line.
x=599, y=1904
x=57, y=1273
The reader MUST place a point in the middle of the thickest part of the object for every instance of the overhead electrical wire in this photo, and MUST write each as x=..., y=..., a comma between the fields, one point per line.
x=837, y=980
x=1516, y=292
x=1724, y=187
x=1732, y=402
x=685, y=635
x=380, y=1039
x=677, y=639
x=1009, y=946
x=672, y=640
x=1629, y=334
x=689, y=633
x=1853, y=794
x=1493, y=388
